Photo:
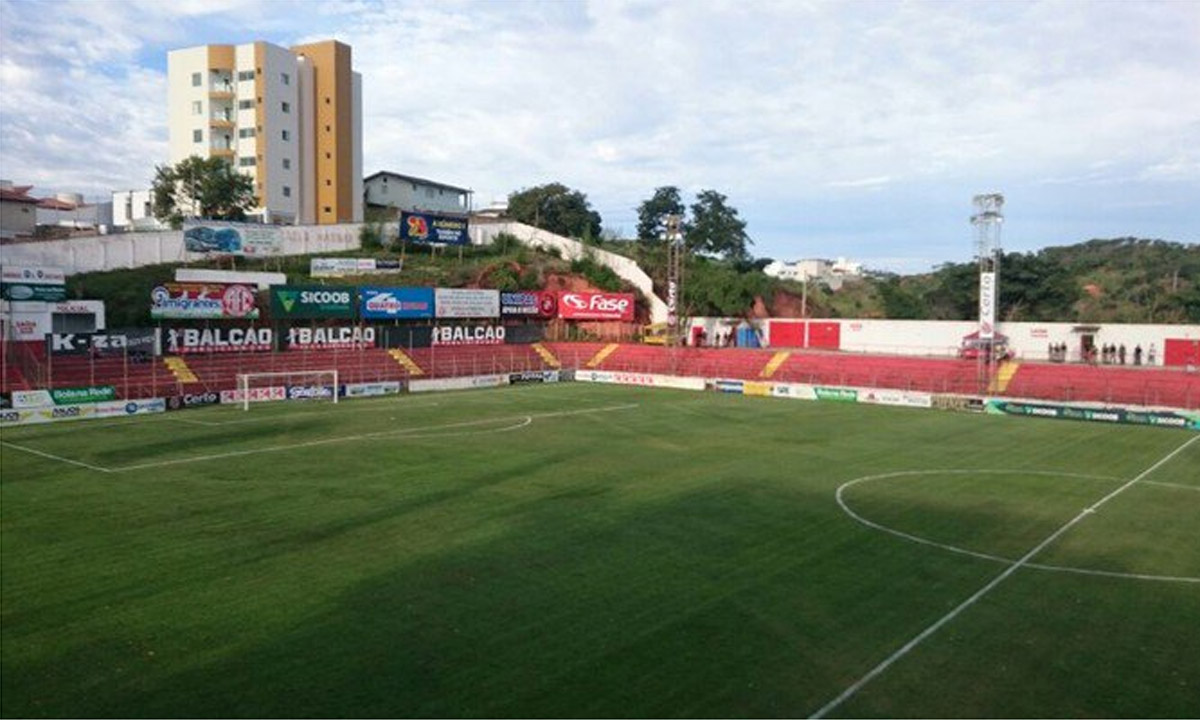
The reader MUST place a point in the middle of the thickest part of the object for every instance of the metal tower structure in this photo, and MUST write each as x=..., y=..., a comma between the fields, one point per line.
x=675, y=253
x=988, y=219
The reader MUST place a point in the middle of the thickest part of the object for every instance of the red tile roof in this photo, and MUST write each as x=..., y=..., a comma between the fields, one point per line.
x=17, y=194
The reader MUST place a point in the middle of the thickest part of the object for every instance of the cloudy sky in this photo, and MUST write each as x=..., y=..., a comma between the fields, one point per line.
x=857, y=129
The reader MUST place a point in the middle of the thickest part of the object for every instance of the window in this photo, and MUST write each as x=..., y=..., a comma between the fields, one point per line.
x=328, y=183
x=287, y=191
x=245, y=75
x=245, y=132
x=245, y=104
x=328, y=209
x=287, y=108
x=283, y=78
x=286, y=135
x=287, y=164
x=197, y=108
x=326, y=101
x=428, y=192
x=195, y=79
x=197, y=136
x=246, y=162
x=385, y=186
x=328, y=156
x=328, y=128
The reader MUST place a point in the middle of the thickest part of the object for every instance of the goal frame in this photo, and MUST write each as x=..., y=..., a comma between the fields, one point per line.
x=243, y=381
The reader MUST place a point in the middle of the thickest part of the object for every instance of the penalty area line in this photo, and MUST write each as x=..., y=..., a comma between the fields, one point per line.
x=907, y=647
x=52, y=456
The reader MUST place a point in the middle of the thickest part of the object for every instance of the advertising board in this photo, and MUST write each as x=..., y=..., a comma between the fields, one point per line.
x=595, y=306
x=466, y=303
x=31, y=399
x=309, y=392
x=348, y=337
x=483, y=334
x=533, y=376
x=203, y=301
x=900, y=398
x=19, y=282
x=190, y=400
x=227, y=238
x=110, y=343
x=63, y=396
x=371, y=389
x=836, y=394
x=313, y=302
x=457, y=383
x=258, y=394
x=113, y=408
x=643, y=379
x=179, y=341
x=1116, y=415
x=529, y=303
x=391, y=303
x=342, y=267
x=795, y=391
x=418, y=227
x=987, y=305
x=959, y=403
x=756, y=388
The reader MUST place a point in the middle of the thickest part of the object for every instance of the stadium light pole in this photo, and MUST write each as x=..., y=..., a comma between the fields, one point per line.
x=987, y=220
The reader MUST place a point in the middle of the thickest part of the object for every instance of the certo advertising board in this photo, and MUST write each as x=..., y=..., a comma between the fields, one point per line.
x=46, y=284
x=189, y=400
x=466, y=303
x=258, y=394
x=312, y=301
x=468, y=335
x=223, y=238
x=341, y=267
x=595, y=306
x=529, y=304
x=203, y=301
x=205, y=340
x=432, y=228
x=390, y=303
x=329, y=338
x=133, y=341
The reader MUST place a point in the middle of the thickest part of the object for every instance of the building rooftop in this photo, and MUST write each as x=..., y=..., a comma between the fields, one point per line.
x=414, y=179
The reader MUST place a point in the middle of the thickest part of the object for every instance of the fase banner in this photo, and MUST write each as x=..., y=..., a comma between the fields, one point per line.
x=203, y=301
x=595, y=306
x=391, y=303
x=432, y=228
x=312, y=302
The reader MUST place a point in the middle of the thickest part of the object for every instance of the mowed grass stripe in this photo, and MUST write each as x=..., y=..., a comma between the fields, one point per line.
x=687, y=558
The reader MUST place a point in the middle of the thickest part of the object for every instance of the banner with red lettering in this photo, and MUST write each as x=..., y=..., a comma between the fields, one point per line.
x=595, y=306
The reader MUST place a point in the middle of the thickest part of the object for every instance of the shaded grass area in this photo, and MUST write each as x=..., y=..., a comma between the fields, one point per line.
x=684, y=557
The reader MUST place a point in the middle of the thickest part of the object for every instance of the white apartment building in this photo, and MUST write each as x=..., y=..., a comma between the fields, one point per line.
x=289, y=118
x=832, y=273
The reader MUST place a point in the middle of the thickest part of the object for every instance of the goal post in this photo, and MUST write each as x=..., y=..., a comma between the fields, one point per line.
x=292, y=385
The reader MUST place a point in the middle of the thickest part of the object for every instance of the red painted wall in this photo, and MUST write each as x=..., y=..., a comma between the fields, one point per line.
x=1181, y=352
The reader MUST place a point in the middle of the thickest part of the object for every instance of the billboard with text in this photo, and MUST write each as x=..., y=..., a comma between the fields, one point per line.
x=574, y=305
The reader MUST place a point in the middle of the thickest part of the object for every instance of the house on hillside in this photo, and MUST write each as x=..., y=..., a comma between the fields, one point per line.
x=830, y=272
x=18, y=211
x=391, y=193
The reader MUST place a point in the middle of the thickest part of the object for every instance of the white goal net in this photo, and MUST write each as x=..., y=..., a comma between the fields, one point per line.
x=314, y=385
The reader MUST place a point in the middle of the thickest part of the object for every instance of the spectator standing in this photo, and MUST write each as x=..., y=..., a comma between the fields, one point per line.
x=1121, y=353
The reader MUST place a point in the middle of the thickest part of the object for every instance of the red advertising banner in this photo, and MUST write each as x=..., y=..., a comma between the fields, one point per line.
x=595, y=306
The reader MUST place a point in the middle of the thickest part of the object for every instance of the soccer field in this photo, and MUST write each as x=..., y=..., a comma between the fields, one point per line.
x=590, y=550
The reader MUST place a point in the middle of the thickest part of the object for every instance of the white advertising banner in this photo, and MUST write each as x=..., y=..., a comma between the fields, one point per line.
x=795, y=391
x=643, y=379
x=901, y=398
x=258, y=394
x=458, y=383
x=466, y=303
x=987, y=305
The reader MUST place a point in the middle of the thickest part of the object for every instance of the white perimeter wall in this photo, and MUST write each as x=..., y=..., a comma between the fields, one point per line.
x=116, y=252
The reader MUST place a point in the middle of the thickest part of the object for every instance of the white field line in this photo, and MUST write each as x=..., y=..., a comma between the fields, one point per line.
x=1181, y=486
x=907, y=647
x=51, y=456
x=521, y=421
x=999, y=558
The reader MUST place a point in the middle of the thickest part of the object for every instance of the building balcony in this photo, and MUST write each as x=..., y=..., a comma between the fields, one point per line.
x=220, y=122
x=221, y=92
x=225, y=152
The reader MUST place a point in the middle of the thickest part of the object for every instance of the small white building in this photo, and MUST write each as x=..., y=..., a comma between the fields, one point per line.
x=134, y=210
x=829, y=272
x=18, y=211
x=396, y=192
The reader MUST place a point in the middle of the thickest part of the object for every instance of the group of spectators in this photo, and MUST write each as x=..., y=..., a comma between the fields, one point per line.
x=1108, y=354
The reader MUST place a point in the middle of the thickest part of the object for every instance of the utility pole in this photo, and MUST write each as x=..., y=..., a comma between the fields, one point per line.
x=675, y=252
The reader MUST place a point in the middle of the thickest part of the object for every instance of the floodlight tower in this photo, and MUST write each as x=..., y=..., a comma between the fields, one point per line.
x=988, y=219
x=675, y=252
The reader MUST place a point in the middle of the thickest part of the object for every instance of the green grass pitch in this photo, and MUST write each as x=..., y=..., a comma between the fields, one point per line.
x=583, y=550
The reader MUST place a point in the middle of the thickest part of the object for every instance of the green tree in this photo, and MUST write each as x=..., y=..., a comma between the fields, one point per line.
x=208, y=187
x=716, y=228
x=652, y=214
x=556, y=208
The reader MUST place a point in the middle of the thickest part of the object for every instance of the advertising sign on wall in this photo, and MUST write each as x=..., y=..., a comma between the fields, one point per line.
x=468, y=335
x=312, y=301
x=225, y=238
x=466, y=303
x=987, y=305
x=179, y=341
x=902, y=398
x=189, y=400
x=133, y=341
x=329, y=338
x=432, y=228
x=529, y=303
x=371, y=389
x=341, y=267
x=457, y=383
x=258, y=394
x=32, y=283
x=203, y=301
x=595, y=306
x=390, y=303
x=836, y=394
